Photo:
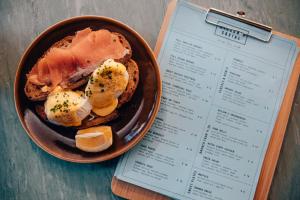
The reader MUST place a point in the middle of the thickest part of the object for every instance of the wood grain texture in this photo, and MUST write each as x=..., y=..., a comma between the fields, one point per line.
x=26, y=172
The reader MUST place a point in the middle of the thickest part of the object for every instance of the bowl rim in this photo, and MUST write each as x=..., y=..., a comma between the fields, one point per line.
x=127, y=147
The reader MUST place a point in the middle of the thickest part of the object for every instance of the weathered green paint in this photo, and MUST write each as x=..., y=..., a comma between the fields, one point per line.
x=27, y=172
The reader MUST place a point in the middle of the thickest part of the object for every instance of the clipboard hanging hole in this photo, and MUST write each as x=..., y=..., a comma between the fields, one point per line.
x=241, y=13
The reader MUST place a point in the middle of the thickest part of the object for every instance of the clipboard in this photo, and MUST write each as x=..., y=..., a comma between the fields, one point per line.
x=130, y=191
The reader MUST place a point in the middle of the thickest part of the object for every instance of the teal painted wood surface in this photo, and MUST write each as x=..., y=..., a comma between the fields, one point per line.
x=27, y=172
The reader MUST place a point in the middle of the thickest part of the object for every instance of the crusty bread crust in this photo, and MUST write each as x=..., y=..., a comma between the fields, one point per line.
x=35, y=93
x=133, y=72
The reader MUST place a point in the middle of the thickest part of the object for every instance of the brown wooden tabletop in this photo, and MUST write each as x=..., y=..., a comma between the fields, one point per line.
x=27, y=172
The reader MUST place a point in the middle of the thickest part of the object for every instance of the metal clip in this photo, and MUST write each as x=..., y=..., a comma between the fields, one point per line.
x=239, y=23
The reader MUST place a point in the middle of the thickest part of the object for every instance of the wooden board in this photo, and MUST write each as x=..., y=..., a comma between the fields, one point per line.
x=130, y=191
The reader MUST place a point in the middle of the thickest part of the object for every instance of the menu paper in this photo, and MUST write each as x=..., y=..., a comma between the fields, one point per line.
x=221, y=97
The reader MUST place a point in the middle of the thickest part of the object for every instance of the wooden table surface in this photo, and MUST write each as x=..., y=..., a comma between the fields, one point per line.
x=27, y=172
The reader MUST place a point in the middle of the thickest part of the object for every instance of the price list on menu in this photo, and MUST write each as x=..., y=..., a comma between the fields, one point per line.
x=222, y=91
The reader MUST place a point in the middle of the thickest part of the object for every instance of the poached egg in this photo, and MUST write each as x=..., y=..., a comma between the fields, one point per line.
x=66, y=107
x=106, y=84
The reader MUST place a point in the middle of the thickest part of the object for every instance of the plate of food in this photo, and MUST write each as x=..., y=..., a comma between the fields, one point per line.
x=87, y=89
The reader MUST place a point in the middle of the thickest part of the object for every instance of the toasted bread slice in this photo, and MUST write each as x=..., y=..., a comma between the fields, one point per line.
x=133, y=72
x=126, y=44
x=36, y=93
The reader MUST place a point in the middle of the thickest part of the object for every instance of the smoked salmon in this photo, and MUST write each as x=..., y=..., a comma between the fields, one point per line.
x=87, y=50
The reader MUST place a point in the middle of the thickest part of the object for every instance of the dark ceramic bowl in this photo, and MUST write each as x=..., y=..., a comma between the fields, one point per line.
x=136, y=117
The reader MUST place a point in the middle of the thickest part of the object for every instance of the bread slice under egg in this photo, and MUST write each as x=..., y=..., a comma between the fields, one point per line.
x=133, y=81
